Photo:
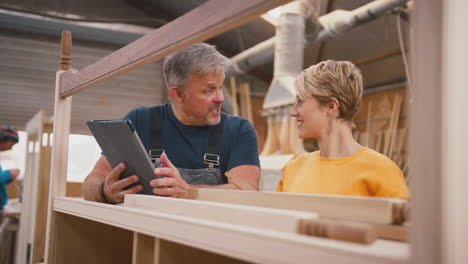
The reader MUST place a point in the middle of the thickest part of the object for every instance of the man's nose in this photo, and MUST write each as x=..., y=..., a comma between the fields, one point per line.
x=219, y=97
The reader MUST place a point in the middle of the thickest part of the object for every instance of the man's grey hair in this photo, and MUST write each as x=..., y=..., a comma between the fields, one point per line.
x=199, y=58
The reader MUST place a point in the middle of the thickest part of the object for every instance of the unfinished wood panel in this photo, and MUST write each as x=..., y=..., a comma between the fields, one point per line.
x=246, y=243
x=174, y=253
x=143, y=249
x=365, y=209
x=382, y=124
x=74, y=189
x=83, y=241
x=208, y=20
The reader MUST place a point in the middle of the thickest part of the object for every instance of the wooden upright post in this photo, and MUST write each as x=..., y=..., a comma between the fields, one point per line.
x=58, y=174
x=235, y=105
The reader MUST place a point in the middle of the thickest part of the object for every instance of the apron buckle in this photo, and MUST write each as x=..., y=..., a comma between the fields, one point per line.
x=155, y=156
x=211, y=159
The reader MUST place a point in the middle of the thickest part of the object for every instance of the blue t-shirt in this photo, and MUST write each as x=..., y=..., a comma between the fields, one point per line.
x=186, y=145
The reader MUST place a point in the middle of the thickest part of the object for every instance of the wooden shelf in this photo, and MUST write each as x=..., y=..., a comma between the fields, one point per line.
x=242, y=242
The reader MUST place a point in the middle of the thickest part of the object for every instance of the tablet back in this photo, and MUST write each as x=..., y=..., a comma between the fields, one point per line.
x=119, y=142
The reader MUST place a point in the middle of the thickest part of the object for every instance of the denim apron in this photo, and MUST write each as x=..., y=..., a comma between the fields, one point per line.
x=211, y=175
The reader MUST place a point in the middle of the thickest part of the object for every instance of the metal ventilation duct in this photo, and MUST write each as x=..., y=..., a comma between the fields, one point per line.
x=289, y=54
x=332, y=24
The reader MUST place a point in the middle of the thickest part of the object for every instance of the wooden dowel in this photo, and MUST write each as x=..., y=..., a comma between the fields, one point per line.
x=392, y=232
x=248, y=103
x=395, y=125
x=65, y=50
x=378, y=143
x=339, y=230
x=235, y=106
x=401, y=144
x=387, y=133
x=368, y=138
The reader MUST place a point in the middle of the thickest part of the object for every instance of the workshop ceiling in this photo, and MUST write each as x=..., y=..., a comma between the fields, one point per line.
x=373, y=46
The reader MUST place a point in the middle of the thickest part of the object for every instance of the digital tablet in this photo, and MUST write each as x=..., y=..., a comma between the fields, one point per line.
x=119, y=142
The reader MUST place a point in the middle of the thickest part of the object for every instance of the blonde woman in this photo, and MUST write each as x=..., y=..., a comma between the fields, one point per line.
x=328, y=96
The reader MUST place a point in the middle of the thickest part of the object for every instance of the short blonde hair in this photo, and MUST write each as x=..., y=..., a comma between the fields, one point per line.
x=329, y=79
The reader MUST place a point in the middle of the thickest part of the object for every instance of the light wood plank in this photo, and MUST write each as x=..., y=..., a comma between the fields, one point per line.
x=279, y=220
x=307, y=223
x=204, y=22
x=353, y=208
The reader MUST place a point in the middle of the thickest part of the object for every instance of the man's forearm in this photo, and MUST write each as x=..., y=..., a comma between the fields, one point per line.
x=92, y=188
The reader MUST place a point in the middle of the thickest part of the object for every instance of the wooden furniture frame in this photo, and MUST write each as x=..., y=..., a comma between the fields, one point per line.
x=31, y=242
x=33, y=219
x=87, y=232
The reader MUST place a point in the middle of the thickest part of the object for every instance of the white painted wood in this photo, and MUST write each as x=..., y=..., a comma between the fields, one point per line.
x=27, y=228
x=454, y=132
x=259, y=217
x=438, y=132
x=246, y=243
x=58, y=173
x=365, y=209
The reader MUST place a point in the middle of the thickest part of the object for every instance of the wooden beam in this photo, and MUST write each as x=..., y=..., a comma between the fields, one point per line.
x=353, y=208
x=202, y=23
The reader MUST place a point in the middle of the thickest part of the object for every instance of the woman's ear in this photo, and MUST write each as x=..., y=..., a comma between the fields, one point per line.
x=176, y=94
x=334, y=107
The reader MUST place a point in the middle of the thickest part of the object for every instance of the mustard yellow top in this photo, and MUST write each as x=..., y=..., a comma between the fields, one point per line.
x=365, y=173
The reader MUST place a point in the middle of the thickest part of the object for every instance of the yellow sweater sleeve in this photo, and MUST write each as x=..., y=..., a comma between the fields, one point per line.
x=390, y=182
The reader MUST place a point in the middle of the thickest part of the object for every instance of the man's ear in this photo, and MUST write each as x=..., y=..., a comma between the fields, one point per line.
x=176, y=93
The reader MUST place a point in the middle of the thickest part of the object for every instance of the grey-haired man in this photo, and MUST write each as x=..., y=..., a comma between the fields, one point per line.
x=200, y=143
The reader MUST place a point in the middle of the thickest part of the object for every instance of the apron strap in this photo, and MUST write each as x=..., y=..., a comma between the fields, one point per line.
x=211, y=157
x=156, y=149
